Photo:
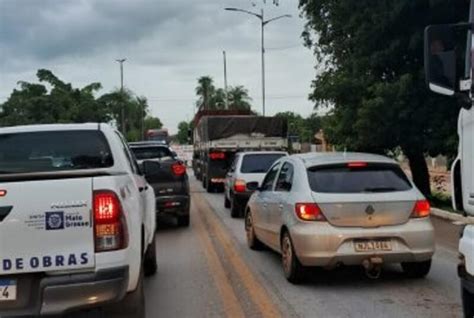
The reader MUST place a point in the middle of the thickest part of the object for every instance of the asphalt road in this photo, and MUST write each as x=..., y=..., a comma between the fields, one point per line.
x=207, y=270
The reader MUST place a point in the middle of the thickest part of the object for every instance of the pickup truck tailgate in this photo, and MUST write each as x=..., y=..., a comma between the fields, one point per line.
x=46, y=225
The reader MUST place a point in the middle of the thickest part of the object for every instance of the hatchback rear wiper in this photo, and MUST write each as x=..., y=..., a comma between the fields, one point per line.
x=380, y=189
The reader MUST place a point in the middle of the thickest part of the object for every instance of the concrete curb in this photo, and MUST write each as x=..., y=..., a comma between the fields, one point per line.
x=451, y=216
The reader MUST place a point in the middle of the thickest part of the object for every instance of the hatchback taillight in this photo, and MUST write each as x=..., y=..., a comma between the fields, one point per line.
x=421, y=209
x=178, y=168
x=240, y=185
x=110, y=227
x=309, y=212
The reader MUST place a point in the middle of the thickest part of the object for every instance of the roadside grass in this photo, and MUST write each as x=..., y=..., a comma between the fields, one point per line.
x=442, y=201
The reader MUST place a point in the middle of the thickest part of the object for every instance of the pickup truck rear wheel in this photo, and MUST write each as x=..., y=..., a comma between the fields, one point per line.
x=133, y=305
x=183, y=220
x=150, y=265
x=417, y=269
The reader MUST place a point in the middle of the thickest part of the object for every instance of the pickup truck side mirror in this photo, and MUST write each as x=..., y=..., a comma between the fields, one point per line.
x=151, y=168
x=253, y=186
x=443, y=58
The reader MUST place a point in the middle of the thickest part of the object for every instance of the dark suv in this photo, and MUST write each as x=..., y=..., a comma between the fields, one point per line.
x=166, y=173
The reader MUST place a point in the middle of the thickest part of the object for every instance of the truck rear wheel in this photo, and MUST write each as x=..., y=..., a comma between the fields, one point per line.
x=209, y=186
x=467, y=302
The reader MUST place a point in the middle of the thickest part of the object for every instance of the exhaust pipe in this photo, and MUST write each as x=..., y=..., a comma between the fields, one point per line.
x=373, y=267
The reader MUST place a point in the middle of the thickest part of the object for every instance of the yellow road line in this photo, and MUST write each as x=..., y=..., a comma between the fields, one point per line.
x=230, y=302
x=258, y=294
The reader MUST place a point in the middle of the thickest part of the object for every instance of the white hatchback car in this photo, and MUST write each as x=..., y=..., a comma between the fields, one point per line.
x=249, y=166
x=341, y=208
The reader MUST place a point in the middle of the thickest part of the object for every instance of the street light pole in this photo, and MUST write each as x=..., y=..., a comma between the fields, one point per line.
x=263, y=23
x=121, y=95
x=225, y=82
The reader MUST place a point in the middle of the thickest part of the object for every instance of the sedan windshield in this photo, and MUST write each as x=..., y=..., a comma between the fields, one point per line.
x=53, y=151
x=370, y=178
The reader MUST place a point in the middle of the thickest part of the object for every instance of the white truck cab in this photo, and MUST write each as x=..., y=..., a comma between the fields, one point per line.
x=449, y=71
x=77, y=221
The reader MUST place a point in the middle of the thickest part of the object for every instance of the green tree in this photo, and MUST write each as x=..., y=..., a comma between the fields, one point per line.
x=183, y=129
x=32, y=103
x=370, y=61
x=210, y=97
x=205, y=91
x=239, y=98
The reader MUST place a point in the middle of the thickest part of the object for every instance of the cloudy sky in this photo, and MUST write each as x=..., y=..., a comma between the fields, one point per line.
x=168, y=45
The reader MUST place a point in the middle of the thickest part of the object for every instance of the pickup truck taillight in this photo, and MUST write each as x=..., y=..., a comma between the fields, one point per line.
x=109, y=222
x=240, y=185
x=421, y=209
x=178, y=168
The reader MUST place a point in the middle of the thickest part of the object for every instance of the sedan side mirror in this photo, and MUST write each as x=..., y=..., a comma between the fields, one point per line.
x=151, y=168
x=253, y=186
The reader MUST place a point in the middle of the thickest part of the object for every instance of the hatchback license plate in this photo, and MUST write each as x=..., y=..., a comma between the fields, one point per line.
x=372, y=245
x=7, y=289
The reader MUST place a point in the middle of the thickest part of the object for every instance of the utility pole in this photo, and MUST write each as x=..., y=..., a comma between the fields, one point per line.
x=225, y=82
x=263, y=23
x=122, y=97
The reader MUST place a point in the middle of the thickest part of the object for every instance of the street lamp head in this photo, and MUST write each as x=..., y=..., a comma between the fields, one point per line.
x=231, y=9
x=120, y=60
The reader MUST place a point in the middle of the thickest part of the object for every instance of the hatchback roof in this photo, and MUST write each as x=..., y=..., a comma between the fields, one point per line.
x=265, y=152
x=324, y=158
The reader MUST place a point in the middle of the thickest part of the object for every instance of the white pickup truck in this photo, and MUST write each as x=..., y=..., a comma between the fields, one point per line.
x=77, y=223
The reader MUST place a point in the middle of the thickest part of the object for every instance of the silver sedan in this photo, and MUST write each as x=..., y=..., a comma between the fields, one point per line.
x=341, y=208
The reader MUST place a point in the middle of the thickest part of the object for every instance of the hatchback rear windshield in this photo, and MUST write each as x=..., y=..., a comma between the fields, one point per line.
x=143, y=153
x=46, y=151
x=259, y=163
x=369, y=178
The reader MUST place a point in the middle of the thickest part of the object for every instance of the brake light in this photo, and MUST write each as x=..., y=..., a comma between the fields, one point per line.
x=357, y=164
x=217, y=155
x=109, y=222
x=178, y=168
x=240, y=185
x=309, y=212
x=3, y=193
x=421, y=209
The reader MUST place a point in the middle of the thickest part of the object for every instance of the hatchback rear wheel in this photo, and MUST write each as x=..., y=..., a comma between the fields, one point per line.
x=252, y=241
x=226, y=202
x=292, y=267
x=417, y=269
